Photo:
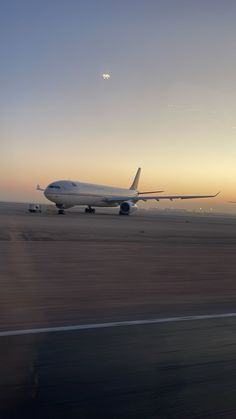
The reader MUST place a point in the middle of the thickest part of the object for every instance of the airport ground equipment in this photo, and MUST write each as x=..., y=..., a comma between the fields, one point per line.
x=34, y=208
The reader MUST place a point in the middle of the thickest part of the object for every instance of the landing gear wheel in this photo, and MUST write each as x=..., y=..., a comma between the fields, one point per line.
x=89, y=210
x=61, y=212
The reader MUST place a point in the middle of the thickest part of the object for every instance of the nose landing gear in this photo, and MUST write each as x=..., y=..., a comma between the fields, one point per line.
x=61, y=210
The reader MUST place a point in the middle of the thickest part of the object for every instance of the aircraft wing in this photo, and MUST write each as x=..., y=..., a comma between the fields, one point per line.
x=173, y=197
x=120, y=199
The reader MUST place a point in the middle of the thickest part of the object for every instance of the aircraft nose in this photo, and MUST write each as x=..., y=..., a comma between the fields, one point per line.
x=46, y=192
x=52, y=190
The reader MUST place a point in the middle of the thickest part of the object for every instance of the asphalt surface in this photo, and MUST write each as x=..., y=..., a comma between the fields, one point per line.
x=82, y=269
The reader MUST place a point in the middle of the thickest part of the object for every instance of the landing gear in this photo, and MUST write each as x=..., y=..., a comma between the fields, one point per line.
x=61, y=210
x=89, y=210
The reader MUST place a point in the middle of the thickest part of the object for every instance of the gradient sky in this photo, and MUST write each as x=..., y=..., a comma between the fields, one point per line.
x=168, y=107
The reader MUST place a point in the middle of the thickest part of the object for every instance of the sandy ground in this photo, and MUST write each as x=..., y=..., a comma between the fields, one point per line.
x=82, y=268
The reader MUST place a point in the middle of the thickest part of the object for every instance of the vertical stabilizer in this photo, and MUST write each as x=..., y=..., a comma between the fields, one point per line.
x=134, y=185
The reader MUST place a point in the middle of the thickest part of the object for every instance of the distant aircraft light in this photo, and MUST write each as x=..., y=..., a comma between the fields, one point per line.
x=106, y=76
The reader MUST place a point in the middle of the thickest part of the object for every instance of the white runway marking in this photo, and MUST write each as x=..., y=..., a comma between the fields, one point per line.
x=115, y=324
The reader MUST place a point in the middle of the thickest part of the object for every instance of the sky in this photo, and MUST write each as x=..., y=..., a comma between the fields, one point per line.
x=168, y=107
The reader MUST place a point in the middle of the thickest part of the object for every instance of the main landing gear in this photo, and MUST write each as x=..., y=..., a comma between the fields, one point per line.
x=61, y=212
x=89, y=210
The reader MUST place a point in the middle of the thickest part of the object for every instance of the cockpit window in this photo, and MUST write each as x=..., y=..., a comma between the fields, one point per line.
x=54, y=187
x=73, y=184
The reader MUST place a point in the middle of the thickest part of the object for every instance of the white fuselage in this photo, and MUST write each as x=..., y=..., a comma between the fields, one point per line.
x=66, y=194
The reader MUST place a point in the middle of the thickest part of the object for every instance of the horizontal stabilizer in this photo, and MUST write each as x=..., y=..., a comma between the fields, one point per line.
x=39, y=188
x=142, y=193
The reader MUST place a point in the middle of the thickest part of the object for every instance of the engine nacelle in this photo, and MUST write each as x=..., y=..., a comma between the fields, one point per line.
x=64, y=206
x=127, y=208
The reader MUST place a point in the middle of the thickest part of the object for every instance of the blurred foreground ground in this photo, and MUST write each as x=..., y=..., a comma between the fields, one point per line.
x=82, y=268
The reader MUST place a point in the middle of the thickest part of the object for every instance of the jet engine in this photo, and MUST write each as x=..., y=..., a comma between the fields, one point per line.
x=127, y=208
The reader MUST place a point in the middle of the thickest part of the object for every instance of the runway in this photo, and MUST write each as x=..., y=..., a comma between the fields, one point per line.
x=134, y=289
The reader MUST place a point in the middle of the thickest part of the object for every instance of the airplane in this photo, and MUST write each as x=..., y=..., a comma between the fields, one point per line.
x=67, y=193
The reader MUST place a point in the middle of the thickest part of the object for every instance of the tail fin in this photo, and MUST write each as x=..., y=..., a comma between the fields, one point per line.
x=134, y=185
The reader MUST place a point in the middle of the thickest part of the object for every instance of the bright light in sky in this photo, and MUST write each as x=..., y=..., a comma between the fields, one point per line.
x=106, y=76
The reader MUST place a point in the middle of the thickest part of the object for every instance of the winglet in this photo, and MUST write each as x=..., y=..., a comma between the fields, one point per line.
x=134, y=185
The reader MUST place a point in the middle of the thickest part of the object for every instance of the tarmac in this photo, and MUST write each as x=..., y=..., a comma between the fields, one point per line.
x=64, y=275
